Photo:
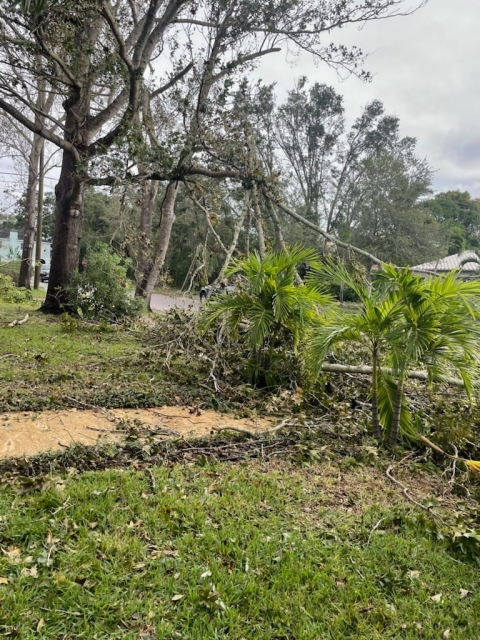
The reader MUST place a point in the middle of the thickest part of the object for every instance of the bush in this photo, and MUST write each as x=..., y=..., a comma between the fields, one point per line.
x=101, y=289
x=10, y=293
x=11, y=269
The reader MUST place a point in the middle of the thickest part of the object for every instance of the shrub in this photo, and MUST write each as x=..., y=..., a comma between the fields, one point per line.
x=10, y=293
x=101, y=289
x=11, y=269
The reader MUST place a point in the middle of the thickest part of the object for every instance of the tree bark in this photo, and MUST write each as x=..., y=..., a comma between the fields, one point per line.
x=397, y=413
x=30, y=214
x=149, y=195
x=68, y=231
x=262, y=249
x=236, y=234
x=168, y=218
x=367, y=371
x=279, y=239
x=377, y=429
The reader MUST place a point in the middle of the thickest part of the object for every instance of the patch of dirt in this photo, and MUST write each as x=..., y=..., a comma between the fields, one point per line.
x=30, y=433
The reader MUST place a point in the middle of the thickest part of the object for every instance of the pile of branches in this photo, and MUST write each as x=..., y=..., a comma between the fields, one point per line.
x=177, y=344
x=292, y=439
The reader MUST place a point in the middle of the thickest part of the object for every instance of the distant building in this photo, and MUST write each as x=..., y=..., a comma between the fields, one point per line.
x=468, y=262
x=11, y=247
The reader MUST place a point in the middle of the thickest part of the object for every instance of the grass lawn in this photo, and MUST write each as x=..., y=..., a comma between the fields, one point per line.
x=49, y=359
x=227, y=551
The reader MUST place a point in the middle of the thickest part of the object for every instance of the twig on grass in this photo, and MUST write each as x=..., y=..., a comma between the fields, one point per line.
x=374, y=529
x=406, y=490
x=70, y=613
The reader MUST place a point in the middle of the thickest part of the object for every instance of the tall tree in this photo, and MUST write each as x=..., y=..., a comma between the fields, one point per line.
x=309, y=124
x=384, y=214
x=94, y=55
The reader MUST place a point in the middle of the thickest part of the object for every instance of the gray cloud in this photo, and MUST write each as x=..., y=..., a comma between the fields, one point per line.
x=426, y=70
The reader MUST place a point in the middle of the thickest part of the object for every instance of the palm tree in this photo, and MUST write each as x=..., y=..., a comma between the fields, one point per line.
x=369, y=327
x=405, y=321
x=438, y=328
x=268, y=302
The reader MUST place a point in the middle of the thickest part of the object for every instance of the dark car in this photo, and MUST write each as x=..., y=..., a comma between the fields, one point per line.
x=210, y=291
x=44, y=272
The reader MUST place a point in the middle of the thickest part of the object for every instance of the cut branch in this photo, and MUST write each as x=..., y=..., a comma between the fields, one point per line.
x=366, y=370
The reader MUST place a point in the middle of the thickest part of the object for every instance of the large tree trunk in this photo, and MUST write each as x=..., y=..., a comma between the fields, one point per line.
x=30, y=215
x=68, y=231
x=149, y=195
x=70, y=187
x=168, y=218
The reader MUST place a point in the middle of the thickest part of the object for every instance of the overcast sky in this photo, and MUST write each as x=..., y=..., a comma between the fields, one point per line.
x=426, y=70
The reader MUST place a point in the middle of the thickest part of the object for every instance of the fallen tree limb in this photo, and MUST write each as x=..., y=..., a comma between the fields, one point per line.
x=327, y=236
x=288, y=422
x=365, y=370
x=15, y=323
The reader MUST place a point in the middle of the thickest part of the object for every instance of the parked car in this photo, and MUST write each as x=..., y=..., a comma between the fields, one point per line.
x=44, y=272
x=210, y=292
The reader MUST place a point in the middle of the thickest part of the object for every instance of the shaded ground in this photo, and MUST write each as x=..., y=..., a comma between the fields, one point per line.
x=30, y=433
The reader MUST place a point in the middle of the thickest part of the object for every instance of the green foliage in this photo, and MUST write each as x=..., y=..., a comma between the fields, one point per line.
x=386, y=218
x=459, y=215
x=11, y=269
x=405, y=322
x=268, y=309
x=101, y=289
x=10, y=293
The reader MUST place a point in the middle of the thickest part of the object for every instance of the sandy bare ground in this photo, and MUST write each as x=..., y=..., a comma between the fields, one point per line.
x=29, y=433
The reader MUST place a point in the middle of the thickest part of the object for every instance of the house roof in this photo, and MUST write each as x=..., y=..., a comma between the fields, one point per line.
x=457, y=261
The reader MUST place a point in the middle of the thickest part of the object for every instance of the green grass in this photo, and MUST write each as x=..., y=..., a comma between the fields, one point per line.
x=47, y=360
x=226, y=551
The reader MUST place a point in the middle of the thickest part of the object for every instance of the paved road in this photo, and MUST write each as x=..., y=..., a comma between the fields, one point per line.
x=160, y=302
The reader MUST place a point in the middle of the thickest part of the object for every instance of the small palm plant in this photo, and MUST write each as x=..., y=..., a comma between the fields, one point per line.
x=405, y=321
x=269, y=306
x=369, y=327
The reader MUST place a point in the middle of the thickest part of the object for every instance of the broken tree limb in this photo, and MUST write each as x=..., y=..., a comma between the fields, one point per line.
x=327, y=236
x=366, y=370
x=208, y=220
x=15, y=323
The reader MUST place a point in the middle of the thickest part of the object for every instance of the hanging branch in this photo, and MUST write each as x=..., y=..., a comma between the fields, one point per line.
x=319, y=230
x=209, y=222
x=236, y=234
